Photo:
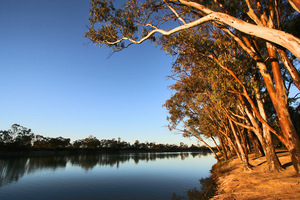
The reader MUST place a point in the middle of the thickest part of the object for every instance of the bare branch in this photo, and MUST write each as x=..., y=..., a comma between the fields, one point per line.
x=252, y=14
x=174, y=11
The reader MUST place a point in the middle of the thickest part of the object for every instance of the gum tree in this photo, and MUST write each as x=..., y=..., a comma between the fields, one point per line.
x=255, y=27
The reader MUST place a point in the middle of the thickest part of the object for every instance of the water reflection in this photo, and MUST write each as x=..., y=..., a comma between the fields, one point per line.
x=206, y=191
x=15, y=168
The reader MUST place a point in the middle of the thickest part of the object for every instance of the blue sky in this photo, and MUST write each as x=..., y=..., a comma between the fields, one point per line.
x=54, y=81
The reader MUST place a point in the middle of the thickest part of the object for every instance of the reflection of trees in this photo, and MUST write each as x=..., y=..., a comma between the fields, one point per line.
x=197, y=154
x=84, y=161
x=49, y=162
x=206, y=191
x=13, y=169
x=90, y=161
x=183, y=155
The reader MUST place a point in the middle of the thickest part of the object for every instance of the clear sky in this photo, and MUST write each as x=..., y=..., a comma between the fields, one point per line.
x=56, y=82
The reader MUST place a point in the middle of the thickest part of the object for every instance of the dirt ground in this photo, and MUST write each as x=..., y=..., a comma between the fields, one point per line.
x=233, y=183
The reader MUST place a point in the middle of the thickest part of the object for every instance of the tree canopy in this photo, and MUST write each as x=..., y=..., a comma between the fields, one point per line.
x=137, y=21
x=235, y=63
x=20, y=138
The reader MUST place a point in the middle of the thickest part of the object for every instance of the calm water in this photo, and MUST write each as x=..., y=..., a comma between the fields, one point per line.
x=104, y=176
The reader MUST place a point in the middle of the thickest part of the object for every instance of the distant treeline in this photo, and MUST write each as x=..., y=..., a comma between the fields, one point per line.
x=21, y=138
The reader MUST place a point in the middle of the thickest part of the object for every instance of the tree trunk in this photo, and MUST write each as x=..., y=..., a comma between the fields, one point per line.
x=295, y=4
x=243, y=156
x=248, y=141
x=216, y=143
x=224, y=149
x=256, y=145
x=199, y=138
x=279, y=99
x=289, y=137
x=229, y=146
x=290, y=67
x=243, y=140
x=273, y=162
x=281, y=38
x=234, y=149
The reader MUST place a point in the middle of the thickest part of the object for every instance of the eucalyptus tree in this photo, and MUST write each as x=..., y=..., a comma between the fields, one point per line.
x=182, y=118
x=90, y=142
x=231, y=73
x=197, y=76
x=120, y=25
x=22, y=136
x=189, y=107
x=255, y=28
x=40, y=141
x=5, y=136
x=269, y=16
x=59, y=143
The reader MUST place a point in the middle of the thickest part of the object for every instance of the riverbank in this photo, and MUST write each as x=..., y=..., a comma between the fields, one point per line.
x=233, y=183
x=68, y=152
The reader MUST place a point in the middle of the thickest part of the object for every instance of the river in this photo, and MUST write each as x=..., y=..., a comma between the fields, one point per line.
x=105, y=176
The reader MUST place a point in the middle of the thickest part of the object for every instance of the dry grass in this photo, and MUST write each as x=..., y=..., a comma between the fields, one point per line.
x=233, y=183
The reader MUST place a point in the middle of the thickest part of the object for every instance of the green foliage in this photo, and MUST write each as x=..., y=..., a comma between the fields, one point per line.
x=216, y=66
x=108, y=23
x=19, y=138
x=203, y=86
x=59, y=142
x=41, y=142
x=6, y=136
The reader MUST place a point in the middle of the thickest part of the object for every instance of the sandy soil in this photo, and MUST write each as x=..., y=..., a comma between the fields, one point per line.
x=233, y=183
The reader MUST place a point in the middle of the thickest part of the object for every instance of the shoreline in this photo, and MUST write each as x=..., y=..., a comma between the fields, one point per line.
x=232, y=183
x=65, y=152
